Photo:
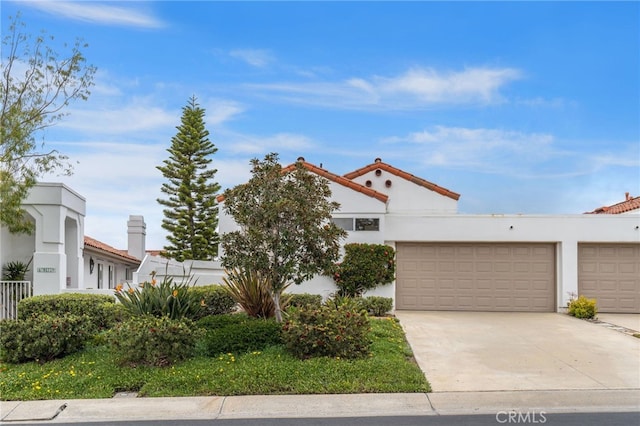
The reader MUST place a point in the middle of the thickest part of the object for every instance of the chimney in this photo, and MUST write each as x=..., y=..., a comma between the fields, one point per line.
x=136, y=230
x=626, y=196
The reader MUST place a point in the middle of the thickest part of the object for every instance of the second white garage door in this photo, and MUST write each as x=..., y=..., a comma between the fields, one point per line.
x=476, y=276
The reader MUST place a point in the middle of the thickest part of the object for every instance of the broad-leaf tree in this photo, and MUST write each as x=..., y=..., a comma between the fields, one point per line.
x=191, y=213
x=37, y=84
x=285, y=230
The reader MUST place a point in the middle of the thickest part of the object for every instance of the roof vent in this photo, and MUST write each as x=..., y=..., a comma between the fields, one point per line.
x=378, y=160
x=368, y=183
x=387, y=184
x=301, y=159
x=378, y=172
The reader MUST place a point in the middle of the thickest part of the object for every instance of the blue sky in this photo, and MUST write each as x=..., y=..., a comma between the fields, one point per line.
x=521, y=107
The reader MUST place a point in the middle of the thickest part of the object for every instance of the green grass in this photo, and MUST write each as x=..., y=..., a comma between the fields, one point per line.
x=93, y=373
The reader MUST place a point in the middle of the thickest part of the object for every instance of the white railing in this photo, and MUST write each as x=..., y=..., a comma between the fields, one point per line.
x=11, y=292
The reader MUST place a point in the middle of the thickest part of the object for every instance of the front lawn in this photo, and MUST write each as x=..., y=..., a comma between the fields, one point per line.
x=93, y=373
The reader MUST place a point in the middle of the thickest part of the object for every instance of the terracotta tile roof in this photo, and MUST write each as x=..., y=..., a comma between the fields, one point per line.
x=340, y=180
x=332, y=177
x=98, y=245
x=631, y=203
x=378, y=164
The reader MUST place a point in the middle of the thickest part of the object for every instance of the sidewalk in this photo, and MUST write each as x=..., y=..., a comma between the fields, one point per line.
x=309, y=406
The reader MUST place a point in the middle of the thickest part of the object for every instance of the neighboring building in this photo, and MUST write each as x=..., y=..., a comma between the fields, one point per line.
x=448, y=261
x=105, y=267
x=631, y=205
x=62, y=257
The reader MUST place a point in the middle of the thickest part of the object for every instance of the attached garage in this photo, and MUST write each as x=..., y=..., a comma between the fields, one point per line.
x=517, y=277
x=610, y=273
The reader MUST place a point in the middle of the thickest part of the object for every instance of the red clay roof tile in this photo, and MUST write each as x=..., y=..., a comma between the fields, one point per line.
x=631, y=203
x=332, y=177
x=91, y=242
x=378, y=164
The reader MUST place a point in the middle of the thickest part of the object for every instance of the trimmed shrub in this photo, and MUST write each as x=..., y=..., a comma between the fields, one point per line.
x=167, y=298
x=375, y=305
x=364, y=267
x=583, y=307
x=216, y=300
x=97, y=306
x=237, y=333
x=44, y=337
x=333, y=331
x=150, y=340
x=305, y=300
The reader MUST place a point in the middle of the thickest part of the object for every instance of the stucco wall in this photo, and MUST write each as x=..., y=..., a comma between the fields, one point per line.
x=405, y=196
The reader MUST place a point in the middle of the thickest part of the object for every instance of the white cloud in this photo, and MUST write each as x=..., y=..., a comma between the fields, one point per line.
x=259, y=58
x=219, y=111
x=134, y=117
x=416, y=88
x=478, y=149
x=98, y=12
x=239, y=143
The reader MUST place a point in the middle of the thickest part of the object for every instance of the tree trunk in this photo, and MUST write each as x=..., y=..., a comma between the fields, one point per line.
x=276, y=302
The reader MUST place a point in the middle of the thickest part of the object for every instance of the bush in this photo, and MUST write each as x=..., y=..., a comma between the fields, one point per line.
x=375, y=305
x=305, y=300
x=252, y=292
x=150, y=340
x=237, y=333
x=167, y=298
x=333, y=331
x=216, y=300
x=44, y=337
x=583, y=307
x=364, y=267
x=99, y=307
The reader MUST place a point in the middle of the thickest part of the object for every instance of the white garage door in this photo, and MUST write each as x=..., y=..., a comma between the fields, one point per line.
x=476, y=276
x=610, y=273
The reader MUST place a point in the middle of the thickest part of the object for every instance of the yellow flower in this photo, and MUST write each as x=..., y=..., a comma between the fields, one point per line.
x=202, y=303
x=131, y=291
x=175, y=293
x=118, y=288
x=141, y=285
x=153, y=282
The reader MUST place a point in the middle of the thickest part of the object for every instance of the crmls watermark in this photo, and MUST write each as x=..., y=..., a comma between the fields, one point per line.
x=519, y=417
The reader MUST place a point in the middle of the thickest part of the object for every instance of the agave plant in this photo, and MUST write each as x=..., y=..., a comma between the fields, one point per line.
x=15, y=270
x=164, y=298
x=253, y=292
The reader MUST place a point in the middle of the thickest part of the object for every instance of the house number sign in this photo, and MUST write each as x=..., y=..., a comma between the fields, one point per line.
x=46, y=270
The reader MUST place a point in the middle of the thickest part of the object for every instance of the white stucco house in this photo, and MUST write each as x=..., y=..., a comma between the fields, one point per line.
x=445, y=260
x=449, y=261
x=61, y=257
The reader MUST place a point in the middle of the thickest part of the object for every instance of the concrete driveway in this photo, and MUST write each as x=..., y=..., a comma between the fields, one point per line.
x=486, y=351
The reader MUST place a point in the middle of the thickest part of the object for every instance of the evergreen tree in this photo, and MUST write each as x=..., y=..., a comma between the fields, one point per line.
x=191, y=213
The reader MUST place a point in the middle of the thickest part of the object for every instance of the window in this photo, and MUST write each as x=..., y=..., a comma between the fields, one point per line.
x=345, y=223
x=363, y=224
x=357, y=224
x=100, y=278
x=111, y=273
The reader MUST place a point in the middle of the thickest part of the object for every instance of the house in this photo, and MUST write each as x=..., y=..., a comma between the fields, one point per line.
x=449, y=261
x=62, y=257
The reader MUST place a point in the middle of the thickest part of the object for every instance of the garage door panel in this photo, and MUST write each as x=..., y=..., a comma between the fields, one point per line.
x=610, y=273
x=480, y=276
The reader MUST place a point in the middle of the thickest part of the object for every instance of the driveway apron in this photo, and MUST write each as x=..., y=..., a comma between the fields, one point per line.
x=487, y=351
